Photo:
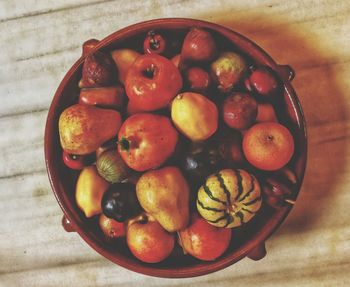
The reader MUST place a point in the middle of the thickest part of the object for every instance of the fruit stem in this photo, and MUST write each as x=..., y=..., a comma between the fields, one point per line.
x=149, y=72
x=180, y=242
x=124, y=144
x=290, y=201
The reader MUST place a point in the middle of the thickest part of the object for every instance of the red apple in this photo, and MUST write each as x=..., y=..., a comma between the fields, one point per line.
x=146, y=141
x=239, y=110
x=262, y=81
x=268, y=146
x=203, y=240
x=149, y=242
x=152, y=82
x=197, y=79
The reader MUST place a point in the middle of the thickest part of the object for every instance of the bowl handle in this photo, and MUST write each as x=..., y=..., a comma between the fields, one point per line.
x=67, y=225
x=258, y=252
x=286, y=72
x=88, y=46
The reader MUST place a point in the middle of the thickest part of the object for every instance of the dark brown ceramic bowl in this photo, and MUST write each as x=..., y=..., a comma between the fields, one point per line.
x=246, y=241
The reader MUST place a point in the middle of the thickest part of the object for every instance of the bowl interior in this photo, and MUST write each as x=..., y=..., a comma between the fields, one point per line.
x=63, y=180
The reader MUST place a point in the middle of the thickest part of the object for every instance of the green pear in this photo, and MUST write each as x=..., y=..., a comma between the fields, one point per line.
x=164, y=194
x=227, y=70
x=84, y=128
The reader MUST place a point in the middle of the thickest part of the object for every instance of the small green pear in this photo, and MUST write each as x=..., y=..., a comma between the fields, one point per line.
x=83, y=128
x=227, y=70
x=164, y=194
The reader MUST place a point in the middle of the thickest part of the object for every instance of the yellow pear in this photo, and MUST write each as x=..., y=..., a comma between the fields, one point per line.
x=83, y=128
x=164, y=194
x=124, y=58
x=89, y=191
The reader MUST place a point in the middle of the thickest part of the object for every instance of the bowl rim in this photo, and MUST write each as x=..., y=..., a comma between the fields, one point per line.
x=261, y=236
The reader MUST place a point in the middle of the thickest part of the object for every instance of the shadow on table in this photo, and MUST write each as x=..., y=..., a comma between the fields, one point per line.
x=323, y=101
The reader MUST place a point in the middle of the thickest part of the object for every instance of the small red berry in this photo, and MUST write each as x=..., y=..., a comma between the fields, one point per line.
x=76, y=162
x=154, y=43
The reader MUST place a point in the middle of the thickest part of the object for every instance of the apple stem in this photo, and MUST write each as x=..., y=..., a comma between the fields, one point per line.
x=180, y=242
x=124, y=144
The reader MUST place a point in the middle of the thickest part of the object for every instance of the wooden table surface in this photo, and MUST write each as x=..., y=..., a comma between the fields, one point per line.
x=41, y=39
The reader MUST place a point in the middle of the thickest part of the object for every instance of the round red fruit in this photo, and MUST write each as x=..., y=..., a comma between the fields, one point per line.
x=76, y=162
x=197, y=79
x=240, y=111
x=263, y=81
x=152, y=82
x=146, y=141
x=111, y=228
x=203, y=240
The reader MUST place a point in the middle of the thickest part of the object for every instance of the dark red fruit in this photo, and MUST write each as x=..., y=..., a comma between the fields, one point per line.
x=276, y=193
x=240, y=110
x=154, y=43
x=98, y=70
x=89, y=45
x=197, y=79
x=262, y=81
x=77, y=162
x=230, y=147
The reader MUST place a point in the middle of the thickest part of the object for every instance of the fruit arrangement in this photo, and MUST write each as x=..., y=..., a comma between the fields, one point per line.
x=177, y=143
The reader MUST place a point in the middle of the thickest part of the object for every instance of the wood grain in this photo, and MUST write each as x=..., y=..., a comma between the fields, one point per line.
x=42, y=39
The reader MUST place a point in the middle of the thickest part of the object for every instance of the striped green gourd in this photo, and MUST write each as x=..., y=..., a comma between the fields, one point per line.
x=229, y=198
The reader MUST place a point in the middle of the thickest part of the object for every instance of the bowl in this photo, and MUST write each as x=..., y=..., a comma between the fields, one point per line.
x=248, y=241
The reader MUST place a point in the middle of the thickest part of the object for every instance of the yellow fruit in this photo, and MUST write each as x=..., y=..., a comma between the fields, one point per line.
x=124, y=58
x=164, y=194
x=83, y=128
x=89, y=191
x=229, y=198
x=194, y=115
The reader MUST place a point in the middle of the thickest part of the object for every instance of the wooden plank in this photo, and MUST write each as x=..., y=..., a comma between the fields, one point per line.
x=14, y=10
x=22, y=144
x=31, y=234
x=284, y=268
x=34, y=210
x=43, y=39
